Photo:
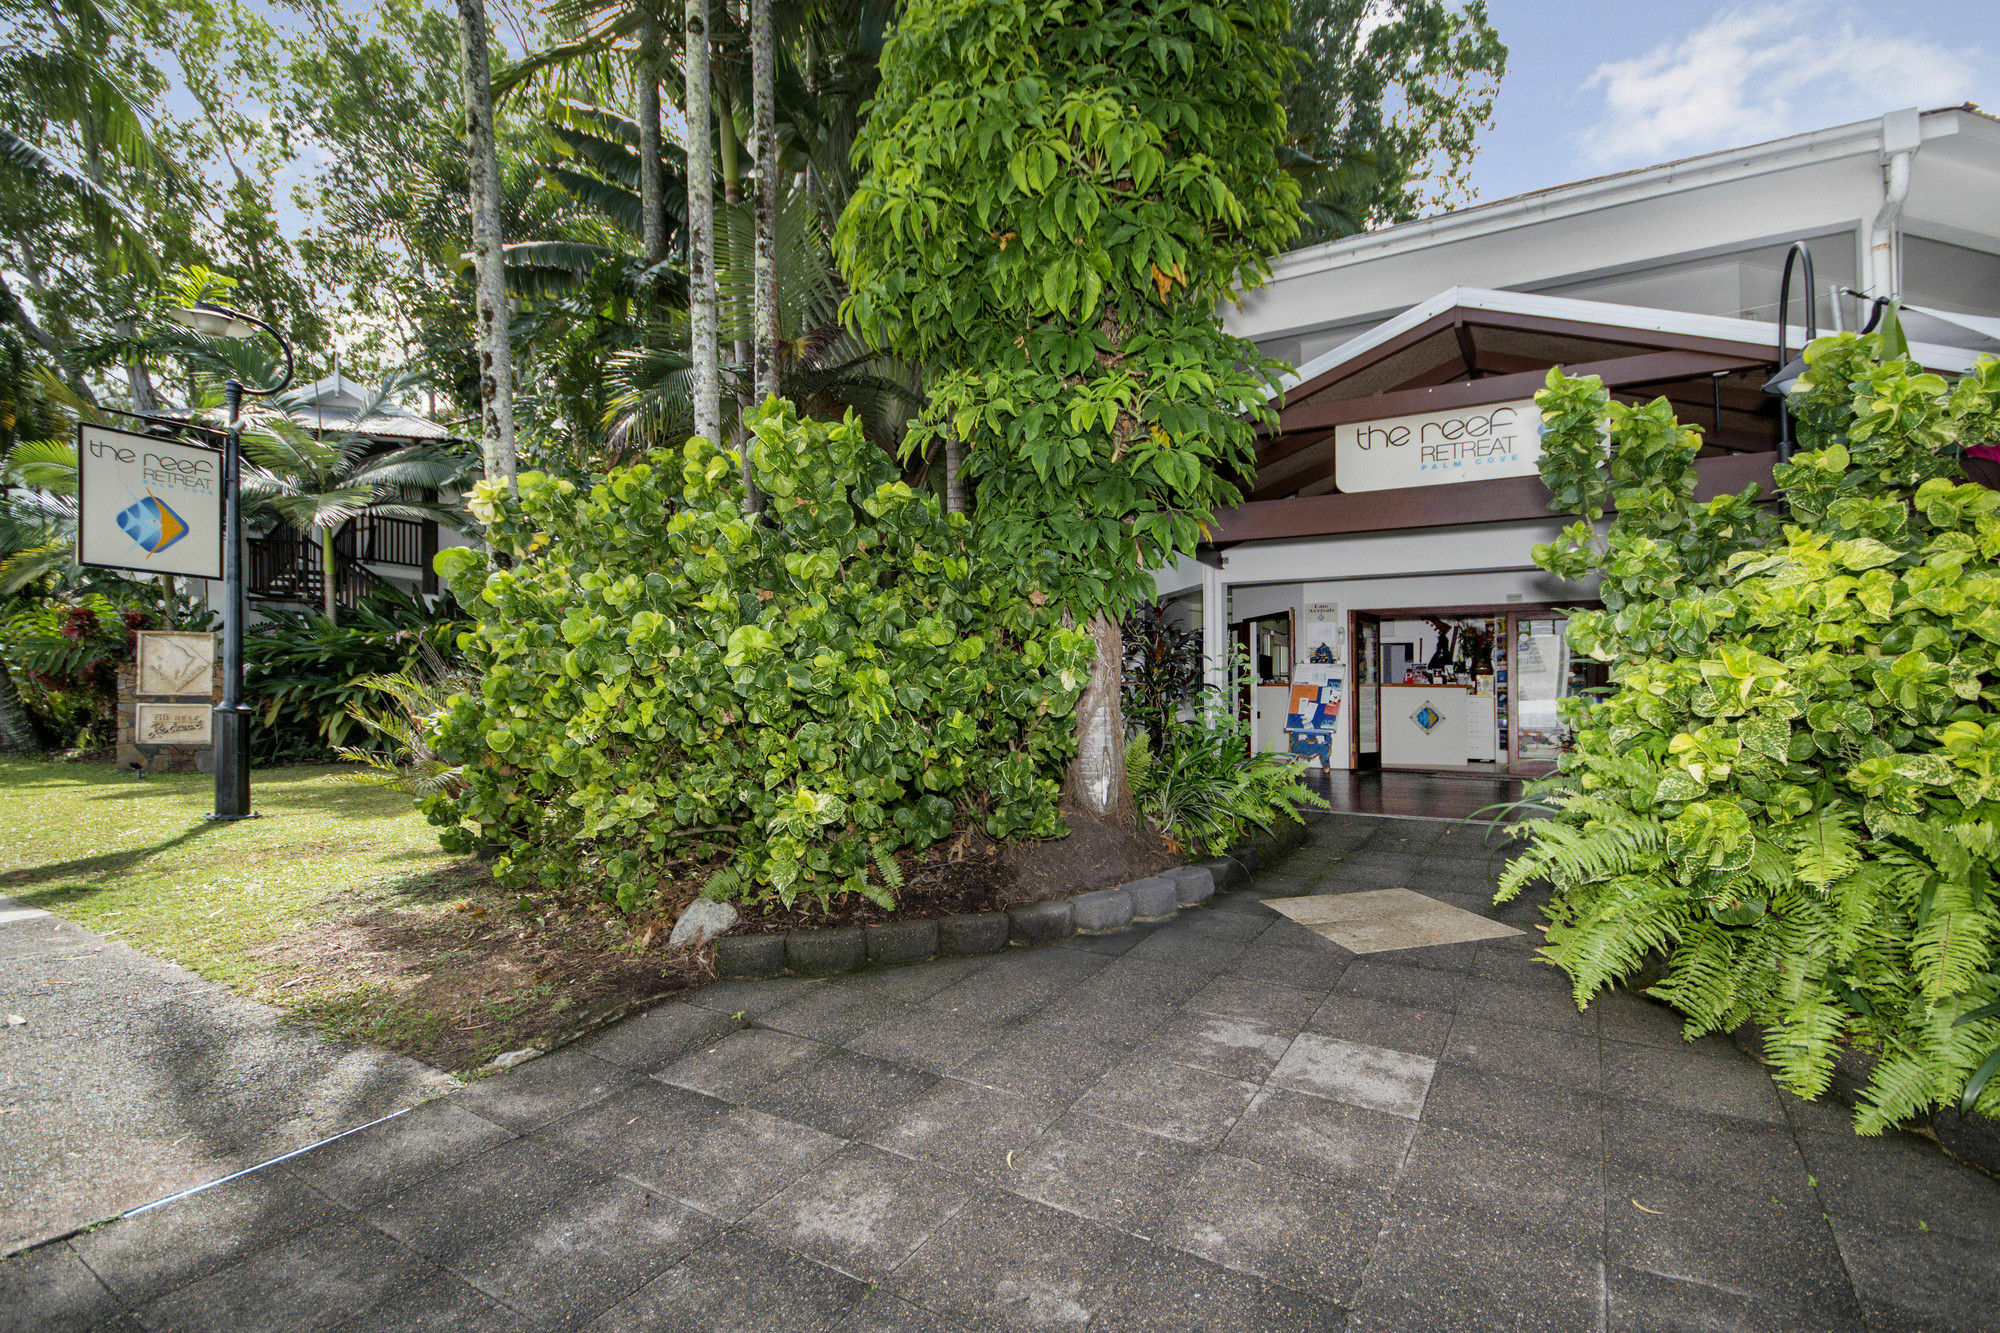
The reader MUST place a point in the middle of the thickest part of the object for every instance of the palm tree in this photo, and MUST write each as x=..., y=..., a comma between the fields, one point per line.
x=321, y=482
x=707, y=384
x=492, y=315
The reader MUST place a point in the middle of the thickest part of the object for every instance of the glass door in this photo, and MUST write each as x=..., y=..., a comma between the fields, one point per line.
x=1538, y=679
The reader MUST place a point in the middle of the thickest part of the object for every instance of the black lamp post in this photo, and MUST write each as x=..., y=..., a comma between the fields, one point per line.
x=232, y=715
x=1790, y=369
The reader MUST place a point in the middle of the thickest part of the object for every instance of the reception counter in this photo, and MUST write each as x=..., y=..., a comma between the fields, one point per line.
x=1425, y=725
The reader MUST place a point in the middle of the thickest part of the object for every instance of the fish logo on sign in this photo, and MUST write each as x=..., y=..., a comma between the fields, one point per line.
x=152, y=525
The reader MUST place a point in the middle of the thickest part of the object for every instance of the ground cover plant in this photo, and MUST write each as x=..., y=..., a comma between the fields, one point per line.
x=336, y=907
x=778, y=703
x=1793, y=786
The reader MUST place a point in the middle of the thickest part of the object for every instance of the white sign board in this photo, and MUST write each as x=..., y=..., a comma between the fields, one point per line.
x=173, y=724
x=1438, y=448
x=171, y=662
x=147, y=505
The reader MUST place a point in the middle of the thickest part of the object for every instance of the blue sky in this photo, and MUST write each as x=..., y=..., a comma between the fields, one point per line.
x=1602, y=85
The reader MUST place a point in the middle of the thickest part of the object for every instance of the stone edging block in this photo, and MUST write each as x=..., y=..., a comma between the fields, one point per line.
x=960, y=935
x=1102, y=911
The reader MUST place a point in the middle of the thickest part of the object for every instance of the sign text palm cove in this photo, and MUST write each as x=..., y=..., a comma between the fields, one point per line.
x=1438, y=448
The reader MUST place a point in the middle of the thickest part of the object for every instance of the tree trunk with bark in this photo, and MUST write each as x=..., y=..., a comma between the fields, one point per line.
x=1097, y=786
x=652, y=183
x=701, y=231
x=492, y=314
x=329, y=575
x=18, y=734
x=764, y=153
x=954, y=482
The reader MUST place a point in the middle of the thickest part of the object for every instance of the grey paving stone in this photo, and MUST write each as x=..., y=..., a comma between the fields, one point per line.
x=1781, y=1255
x=1087, y=1016
x=1540, y=1057
x=1519, y=1182
x=1558, y=1119
x=935, y=1037
x=973, y=933
x=1048, y=1076
x=1219, y=923
x=368, y=1166
x=317, y=1280
x=743, y=1062
x=1305, y=969
x=836, y=1013
x=1193, y=1106
x=862, y=1211
x=1010, y=1263
x=1116, y=944
x=1520, y=967
x=1102, y=911
x=442, y=1303
x=1740, y=1156
x=544, y=1234
x=728, y=1164
x=1303, y=1234
x=1141, y=983
x=1445, y=1272
x=1368, y=1076
x=1548, y=1008
x=1735, y=1085
x=52, y=1290
x=752, y=997
x=1373, y=1022
x=1185, y=946
x=1269, y=1002
x=1640, y=1302
x=1236, y=1047
x=658, y=1037
x=1899, y=1181
x=738, y=1283
x=1920, y=1280
x=145, y=1256
x=846, y=1094
x=884, y=1313
x=1164, y=1291
x=1426, y=988
x=1356, y=874
x=1285, y=933
x=1325, y=1140
x=964, y=1127
x=1637, y=1021
x=537, y=1092
x=628, y=1132
x=1106, y=1172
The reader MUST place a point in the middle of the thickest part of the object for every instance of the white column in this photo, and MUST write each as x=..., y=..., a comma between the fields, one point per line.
x=1215, y=630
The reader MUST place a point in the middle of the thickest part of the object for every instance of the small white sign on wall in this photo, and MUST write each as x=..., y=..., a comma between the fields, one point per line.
x=173, y=724
x=1439, y=448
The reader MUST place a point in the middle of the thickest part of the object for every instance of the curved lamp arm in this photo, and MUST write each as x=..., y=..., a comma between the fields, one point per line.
x=210, y=307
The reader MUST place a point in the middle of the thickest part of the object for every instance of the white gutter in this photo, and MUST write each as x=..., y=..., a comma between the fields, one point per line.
x=1901, y=137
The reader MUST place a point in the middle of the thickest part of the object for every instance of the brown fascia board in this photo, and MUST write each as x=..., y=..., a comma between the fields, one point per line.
x=1503, y=500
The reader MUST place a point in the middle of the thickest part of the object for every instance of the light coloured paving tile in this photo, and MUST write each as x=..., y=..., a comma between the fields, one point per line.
x=1385, y=919
x=1367, y=1076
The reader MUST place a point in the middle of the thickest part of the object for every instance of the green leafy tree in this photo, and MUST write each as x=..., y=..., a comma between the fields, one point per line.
x=1387, y=106
x=780, y=702
x=1793, y=788
x=1056, y=196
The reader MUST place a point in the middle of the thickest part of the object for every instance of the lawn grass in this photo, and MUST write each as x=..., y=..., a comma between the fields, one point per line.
x=336, y=906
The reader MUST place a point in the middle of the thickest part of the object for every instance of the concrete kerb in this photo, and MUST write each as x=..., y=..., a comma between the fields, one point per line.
x=1152, y=899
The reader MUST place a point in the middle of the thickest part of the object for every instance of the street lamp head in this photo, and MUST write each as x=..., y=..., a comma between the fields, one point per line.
x=213, y=320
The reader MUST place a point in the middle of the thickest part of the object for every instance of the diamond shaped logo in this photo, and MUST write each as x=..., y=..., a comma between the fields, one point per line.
x=152, y=524
x=1427, y=718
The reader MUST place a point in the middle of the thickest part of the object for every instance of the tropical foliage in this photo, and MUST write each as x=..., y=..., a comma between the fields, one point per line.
x=1198, y=781
x=781, y=705
x=1793, y=788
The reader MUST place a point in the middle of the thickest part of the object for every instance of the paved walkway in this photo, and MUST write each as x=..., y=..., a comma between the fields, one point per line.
x=1221, y=1123
x=132, y=1079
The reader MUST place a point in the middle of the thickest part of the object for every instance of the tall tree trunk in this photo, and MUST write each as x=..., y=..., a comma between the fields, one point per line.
x=18, y=734
x=329, y=576
x=492, y=316
x=652, y=185
x=701, y=231
x=764, y=153
x=954, y=483
x=1097, y=786
x=42, y=339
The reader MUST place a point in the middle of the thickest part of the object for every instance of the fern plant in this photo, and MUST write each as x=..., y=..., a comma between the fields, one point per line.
x=1793, y=789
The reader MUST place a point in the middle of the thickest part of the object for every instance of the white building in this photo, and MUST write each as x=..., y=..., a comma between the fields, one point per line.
x=1400, y=488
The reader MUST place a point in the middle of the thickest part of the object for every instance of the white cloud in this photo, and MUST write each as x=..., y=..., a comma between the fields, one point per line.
x=1755, y=74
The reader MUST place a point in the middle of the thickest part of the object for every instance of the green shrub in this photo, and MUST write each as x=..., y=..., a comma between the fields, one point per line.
x=64, y=655
x=794, y=696
x=1200, y=785
x=303, y=673
x=1793, y=788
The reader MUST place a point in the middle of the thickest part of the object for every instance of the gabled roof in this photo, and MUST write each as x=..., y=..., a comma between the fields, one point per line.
x=334, y=404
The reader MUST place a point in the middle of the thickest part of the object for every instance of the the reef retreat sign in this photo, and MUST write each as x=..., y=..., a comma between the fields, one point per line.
x=1435, y=448
x=148, y=505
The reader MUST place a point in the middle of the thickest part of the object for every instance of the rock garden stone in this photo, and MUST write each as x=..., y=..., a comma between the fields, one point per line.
x=1223, y=871
x=704, y=919
x=1040, y=923
x=1154, y=898
x=962, y=935
x=1192, y=884
x=902, y=942
x=1101, y=912
x=750, y=955
x=816, y=953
